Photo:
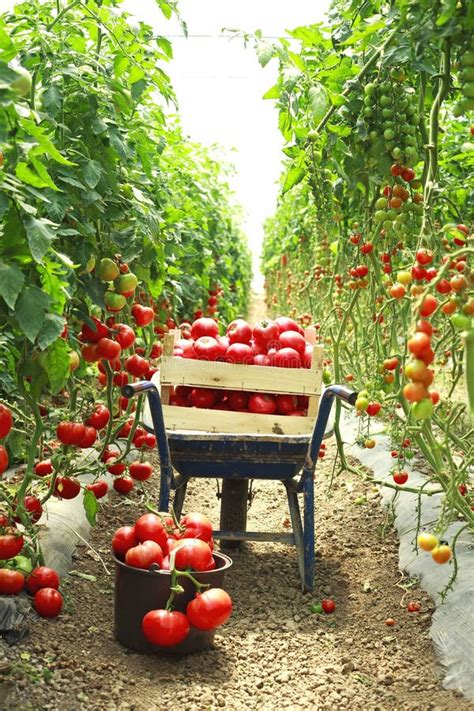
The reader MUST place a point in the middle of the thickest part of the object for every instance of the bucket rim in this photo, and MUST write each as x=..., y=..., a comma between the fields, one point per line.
x=228, y=562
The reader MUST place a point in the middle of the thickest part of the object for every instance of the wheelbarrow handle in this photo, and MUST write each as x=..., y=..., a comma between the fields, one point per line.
x=136, y=388
x=344, y=393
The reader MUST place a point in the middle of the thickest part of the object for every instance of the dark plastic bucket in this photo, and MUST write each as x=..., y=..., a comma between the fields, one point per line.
x=139, y=591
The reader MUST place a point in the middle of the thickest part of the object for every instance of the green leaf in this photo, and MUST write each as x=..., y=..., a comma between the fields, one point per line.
x=40, y=235
x=42, y=172
x=121, y=63
x=30, y=177
x=273, y=93
x=7, y=48
x=55, y=363
x=30, y=311
x=92, y=173
x=44, y=142
x=11, y=283
x=264, y=53
x=52, y=99
x=294, y=176
x=319, y=102
x=51, y=330
x=7, y=76
x=91, y=506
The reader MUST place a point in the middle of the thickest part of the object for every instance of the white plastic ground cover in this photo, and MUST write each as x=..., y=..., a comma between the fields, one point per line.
x=452, y=629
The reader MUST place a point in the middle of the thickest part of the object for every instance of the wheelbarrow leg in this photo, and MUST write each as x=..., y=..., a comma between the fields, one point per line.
x=308, y=518
x=178, y=500
x=297, y=527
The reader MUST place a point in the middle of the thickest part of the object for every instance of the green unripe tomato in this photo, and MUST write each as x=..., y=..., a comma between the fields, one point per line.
x=461, y=321
x=114, y=302
x=423, y=409
x=107, y=270
x=22, y=83
x=90, y=264
x=126, y=283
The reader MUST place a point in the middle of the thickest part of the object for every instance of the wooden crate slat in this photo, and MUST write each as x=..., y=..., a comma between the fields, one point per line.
x=202, y=420
x=253, y=378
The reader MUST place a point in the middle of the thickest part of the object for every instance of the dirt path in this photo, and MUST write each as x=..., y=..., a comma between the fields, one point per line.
x=273, y=653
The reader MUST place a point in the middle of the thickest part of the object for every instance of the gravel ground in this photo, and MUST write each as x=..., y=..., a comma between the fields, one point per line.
x=273, y=653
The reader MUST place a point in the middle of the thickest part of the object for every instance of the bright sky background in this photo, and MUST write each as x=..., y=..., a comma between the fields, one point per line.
x=219, y=85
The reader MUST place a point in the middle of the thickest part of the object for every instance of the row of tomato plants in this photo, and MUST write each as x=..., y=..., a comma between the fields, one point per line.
x=371, y=240
x=114, y=227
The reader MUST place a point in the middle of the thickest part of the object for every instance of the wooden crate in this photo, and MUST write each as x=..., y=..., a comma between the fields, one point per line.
x=252, y=378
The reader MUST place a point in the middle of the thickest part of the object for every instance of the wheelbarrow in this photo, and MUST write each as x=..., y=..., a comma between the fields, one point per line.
x=240, y=447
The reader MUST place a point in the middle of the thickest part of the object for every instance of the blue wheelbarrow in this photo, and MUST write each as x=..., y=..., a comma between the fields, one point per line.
x=200, y=443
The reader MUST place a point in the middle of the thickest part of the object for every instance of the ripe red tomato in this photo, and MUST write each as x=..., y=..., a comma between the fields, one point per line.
x=184, y=348
x=89, y=439
x=265, y=332
x=204, y=327
x=418, y=343
x=143, y=315
x=373, y=409
x=240, y=353
x=428, y=305
x=261, y=359
x=424, y=257
x=209, y=609
x=136, y=365
x=3, y=459
x=140, y=471
x=400, y=478
x=144, y=554
x=70, y=433
x=308, y=356
x=66, y=487
x=286, y=404
x=42, y=577
x=197, y=526
x=149, y=527
x=89, y=352
x=292, y=339
x=262, y=404
x=239, y=331
x=328, y=606
x=93, y=334
x=206, y=348
x=408, y=174
x=192, y=553
x=32, y=507
x=165, y=628
x=114, y=467
x=99, y=418
x=287, y=358
x=48, y=602
x=238, y=400
x=287, y=324
x=124, y=335
x=99, y=488
x=413, y=606
x=6, y=421
x=12, y=582
x=203, y=397
x=124, y=538
x=108, y=349
x=10, y=545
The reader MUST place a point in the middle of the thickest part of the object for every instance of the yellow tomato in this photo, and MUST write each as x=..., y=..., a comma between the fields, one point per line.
x=427, y=541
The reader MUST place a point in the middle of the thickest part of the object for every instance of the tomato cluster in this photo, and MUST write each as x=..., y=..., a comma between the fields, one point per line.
x=419, y=373
x=280, y=343
x=178, y=548
x=42, y=583
x=440, y=550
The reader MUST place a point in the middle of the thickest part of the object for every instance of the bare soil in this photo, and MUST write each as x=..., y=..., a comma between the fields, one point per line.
x=273, y=653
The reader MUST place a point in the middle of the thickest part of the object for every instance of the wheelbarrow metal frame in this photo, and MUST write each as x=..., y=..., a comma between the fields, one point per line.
x=303, y=527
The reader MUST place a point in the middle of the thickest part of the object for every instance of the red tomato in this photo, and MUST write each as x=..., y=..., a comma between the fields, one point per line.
x=93, y=334
x=418, y=343
x=296, y=413
x=328, y=606
x=400, y=478
x=424, y=257
x=204, y=327
x=264, y=332
x=144, y=555
x=192, y=553
x=89, y=439
x=114, y=467
x=3, y=459
x=32, y=507
x=140, y=471
x=197, y=526
x=261, y=359
x=42, y=577
x=373, y=409
x=70, y=433
x=262, y=404
x=48, y=602
x=149, y=527
x=287, y=324
x=143, y=315
x=308, y=356
x=124, y=538
x=207, y=348
x=137, y=366
x=209, y=609
x=428, y=305
x=10, y=545
x=239, y=353
x=108, y=349
x=286, y=404
x=12, y=582
x=89, y=352
x=413, y=606
x=408, y=174
x=292, y=339
x=239, y=331
x=66, y=487
x=99, y=488
x=238, y=400
x=99, y=418
x=6, y=421
x=287, y=358
x=164, y=628
x=124, y=335
x=185, y=348
x=203, y=397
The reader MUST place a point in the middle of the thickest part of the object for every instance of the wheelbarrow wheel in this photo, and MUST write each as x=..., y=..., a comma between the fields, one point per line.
x=234, y=504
